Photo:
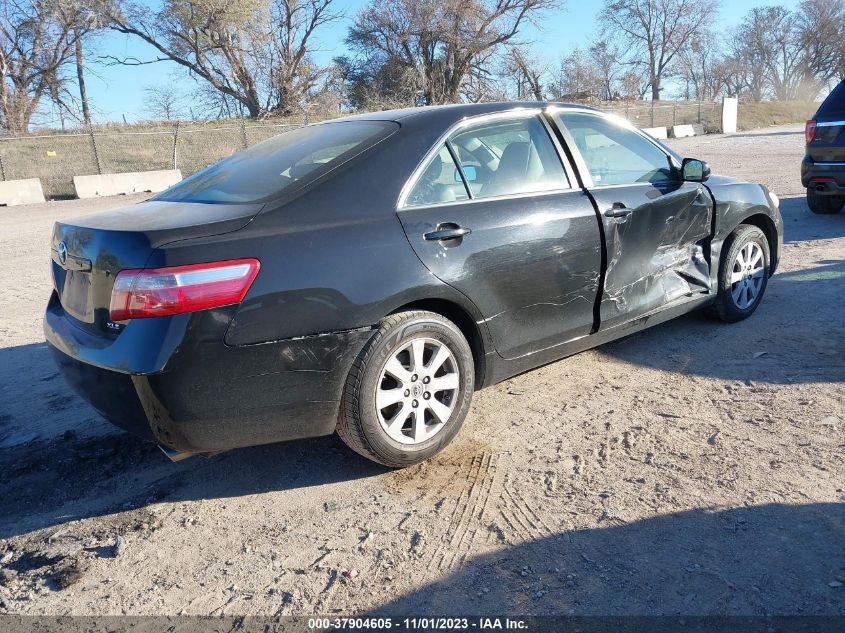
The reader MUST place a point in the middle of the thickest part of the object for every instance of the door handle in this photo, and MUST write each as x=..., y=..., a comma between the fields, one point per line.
x=618, y=210
x=447, y=231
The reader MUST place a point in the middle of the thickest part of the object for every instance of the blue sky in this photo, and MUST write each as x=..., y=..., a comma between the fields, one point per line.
x=117, y=91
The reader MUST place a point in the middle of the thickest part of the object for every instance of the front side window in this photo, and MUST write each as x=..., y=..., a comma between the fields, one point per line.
x=509, y=156
x=615, y=154
x=265, y=170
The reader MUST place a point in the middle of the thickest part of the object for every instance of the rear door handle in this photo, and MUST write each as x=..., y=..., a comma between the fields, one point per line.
x=618, y=210
x=447, y=231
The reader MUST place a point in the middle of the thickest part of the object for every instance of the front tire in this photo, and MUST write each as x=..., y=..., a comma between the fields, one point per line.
x=743, y=274
x=409, y=390
x=824, y=205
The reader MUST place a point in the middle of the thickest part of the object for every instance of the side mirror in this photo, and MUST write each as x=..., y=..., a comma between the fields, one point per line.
x=694, y=170
x=470, y=171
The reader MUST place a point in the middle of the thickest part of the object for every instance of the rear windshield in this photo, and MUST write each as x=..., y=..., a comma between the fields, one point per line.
x=834, y=105
x=265, y=170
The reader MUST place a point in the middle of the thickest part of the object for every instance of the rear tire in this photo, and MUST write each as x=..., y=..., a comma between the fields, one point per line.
x=408, y=391
x=743, y=274
x=824, y=205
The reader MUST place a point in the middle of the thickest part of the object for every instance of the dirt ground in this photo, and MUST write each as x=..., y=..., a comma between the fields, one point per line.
x=694, y=468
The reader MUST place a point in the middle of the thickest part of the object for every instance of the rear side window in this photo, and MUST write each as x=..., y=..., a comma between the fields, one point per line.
x=507, y=157
x=834, y=105
x=267, y=169
x=615, y=154
x=439, y=182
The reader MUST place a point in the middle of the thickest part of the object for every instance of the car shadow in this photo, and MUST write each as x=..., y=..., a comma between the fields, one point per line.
x=48, y=483
x=59, y=461
x=788, y=340
x=772, y=559
x=801, y=225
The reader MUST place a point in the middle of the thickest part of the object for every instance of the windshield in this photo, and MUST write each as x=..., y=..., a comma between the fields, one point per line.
x=265, y=170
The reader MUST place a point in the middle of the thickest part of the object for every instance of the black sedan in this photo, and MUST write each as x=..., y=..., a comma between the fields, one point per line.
x=366, y=275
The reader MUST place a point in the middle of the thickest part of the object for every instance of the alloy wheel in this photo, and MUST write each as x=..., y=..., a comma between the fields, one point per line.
x=417, y=390
x=747, y=275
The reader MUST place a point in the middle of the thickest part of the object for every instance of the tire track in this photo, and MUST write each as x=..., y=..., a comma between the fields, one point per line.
x=475, y=520
x=527, y=511
x=435, y=561
x=523, y=522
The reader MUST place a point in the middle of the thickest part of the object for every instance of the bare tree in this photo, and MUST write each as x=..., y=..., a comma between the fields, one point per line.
x=528, y=72
x=742, y=70
x=163, y=101
x=377, y=84
x=821, y=33
x=257, y=52
x=606, y=61
x=37, y=38
x=793, y=54
x=658, y=29
x=700, y=68
x=579, y=78
x=89, y=23
x=439, y=41
x=633, y=85
x=770, y=33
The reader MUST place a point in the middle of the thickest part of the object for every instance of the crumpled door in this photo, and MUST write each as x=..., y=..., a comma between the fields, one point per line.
x=658, y=246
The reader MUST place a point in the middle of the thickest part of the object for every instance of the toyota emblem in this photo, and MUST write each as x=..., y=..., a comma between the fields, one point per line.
x=62, y=252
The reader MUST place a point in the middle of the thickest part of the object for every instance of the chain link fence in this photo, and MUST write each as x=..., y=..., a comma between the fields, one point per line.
x=189, y=146
x=669, y=113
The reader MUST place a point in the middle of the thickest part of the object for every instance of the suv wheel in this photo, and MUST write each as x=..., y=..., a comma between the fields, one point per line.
x=409, y=391
x=824, y=205
x=743, y=273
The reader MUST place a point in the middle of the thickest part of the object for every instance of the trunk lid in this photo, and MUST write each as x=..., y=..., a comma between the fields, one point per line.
x=87, y=252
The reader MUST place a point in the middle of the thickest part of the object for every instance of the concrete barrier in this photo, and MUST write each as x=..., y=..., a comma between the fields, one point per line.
x=682, y=131
x=14, y=192
x=131, y=182
x=656, y=132
x=730, y=112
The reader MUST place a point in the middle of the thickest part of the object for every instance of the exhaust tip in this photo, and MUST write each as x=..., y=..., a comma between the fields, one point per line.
x=174, y=455
x=821, y=188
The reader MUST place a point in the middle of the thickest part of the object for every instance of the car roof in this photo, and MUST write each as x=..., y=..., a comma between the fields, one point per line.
x=456, y=111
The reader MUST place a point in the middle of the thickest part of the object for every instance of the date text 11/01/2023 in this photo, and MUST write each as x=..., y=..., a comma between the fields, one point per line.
x=419, y=624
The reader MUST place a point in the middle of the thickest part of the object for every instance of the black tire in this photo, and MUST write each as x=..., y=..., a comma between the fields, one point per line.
x=824, y=205
x=359, y=425
x=726, y=307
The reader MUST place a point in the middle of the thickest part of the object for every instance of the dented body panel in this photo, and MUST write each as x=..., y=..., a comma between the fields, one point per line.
x=530, y=265
x=539, y=277
x=658, y=253
x=736, y=203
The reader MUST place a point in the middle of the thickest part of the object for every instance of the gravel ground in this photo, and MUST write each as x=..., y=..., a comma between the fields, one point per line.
x=694, y=468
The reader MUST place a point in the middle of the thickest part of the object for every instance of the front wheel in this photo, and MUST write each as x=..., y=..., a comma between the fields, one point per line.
x=743, y=274
x=409, y=390
x=824, y=205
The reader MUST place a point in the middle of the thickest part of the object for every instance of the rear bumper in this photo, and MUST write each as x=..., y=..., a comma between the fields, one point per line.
x=826, y=178
x=177, y=383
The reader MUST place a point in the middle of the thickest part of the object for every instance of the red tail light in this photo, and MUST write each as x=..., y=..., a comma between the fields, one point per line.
x=810, y=131
x=153, y=292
